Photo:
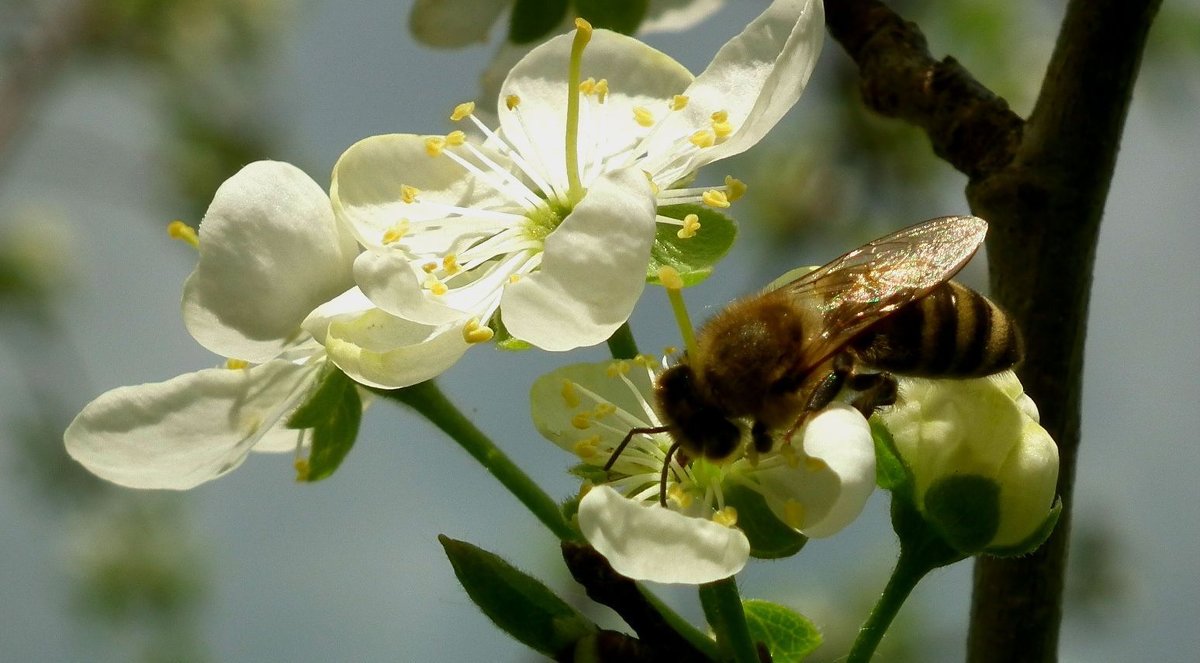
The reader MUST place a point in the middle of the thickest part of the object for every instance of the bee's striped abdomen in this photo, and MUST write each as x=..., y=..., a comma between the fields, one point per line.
x=953, y=331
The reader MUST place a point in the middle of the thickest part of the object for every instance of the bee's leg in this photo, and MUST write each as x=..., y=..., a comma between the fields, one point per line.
x=829, y=386
x=877, y=390
x=649, y=430
x=662, y=481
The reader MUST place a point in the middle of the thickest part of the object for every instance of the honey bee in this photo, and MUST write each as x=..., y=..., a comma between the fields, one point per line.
x=776, y=357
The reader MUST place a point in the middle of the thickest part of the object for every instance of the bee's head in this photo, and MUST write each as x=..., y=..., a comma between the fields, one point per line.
x=695, y=420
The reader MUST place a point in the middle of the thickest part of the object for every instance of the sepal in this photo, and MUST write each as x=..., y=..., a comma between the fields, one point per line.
x=769, y=537
x=333, y=411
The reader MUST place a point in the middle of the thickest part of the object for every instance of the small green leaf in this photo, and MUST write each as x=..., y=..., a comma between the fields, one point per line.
x=787, y=634
x=333, y=411
x=533, y=19
x=693, y=258
x=622, y=16
x=965, y=510
x=517, y=603
x=769, y=537
x=890, y=471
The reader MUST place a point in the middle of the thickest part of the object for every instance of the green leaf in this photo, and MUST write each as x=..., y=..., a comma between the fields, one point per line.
x=693, y=258
x=769, y=537
x=965, y=510
x=333, y=411
x=532, y=20
x=517, y=603
x=622, y=16
x=890, y=471
x=787, y=634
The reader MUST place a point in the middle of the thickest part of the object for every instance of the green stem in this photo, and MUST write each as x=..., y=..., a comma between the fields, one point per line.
x=428, y=400
x=621, y=344
x=908, y=572
x=723, y=607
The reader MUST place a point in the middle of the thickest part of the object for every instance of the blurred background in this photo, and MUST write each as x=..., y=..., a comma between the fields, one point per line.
x=117, y=116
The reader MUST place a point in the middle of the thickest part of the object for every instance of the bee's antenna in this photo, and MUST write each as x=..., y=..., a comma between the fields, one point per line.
x=647, y=430
x=662, y=482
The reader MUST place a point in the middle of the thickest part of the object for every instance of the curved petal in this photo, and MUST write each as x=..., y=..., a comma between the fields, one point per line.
x=646, y=542
x=270, y=251
x=826, y=491
x=756, y=77
x=388, y=280
x=381, y=350
x=593, y=269
x=190, y=429
x=367, y=187
x=454, y=23
x=637, y=75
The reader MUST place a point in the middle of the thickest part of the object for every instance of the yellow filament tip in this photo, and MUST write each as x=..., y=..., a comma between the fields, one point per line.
x=691, y=226
x=617, y=368
x=582, y=420
x=587, y=447
x=409, y=193
x=703, y=138
x=714, y=198
x=679, y=102
x=584, y=27
x=734, y=188
x=669, y=277
x=463, y=110
x=570, y=394
x=434, y=145
x=643, y=116
x=474, y=332
x=450, y=264
x=183, y=232
x=456, y=138
x=603, y=410
x=679, y=496
x=587, y=86
x=601, y=89
x=512, y=101
x=727, y=516
x=235, y=364
x=302, y=469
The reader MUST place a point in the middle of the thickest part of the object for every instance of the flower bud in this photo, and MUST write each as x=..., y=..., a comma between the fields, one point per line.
x=983, y=470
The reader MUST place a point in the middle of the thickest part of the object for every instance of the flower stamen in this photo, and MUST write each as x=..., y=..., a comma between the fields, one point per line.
x=183, y=232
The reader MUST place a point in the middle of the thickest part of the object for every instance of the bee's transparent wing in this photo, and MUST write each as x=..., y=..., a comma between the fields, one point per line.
x=866, y=284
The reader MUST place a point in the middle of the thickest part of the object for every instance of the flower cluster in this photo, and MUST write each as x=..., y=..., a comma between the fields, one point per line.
x=539, y=229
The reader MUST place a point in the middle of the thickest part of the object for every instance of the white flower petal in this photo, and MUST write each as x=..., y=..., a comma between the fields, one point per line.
x=757, y=76
x=190, y=429
x=648, y=542
x=454, y=23
x=593, y=270
x=381, y=350
x=827, y=495
x=637, y=74
x=366, y=192
x=270, y=251
x=388, y=280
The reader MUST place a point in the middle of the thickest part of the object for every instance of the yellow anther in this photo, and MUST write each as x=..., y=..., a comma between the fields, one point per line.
x=793, y=514
x=583, y=26
x=679, y=102
x=396, y=232
x=435, y=286
x=235, y=364
x=182, y=231
x=727, y=516
x=450, y=264
x=720, y=116
x=587, y=447
x=429, y=267
x=587, y=86
x=643, y=116
x=473, y=332
x=703, y=138
x=691, y=226
x=734, y=188
x=617, y=368
x=650, y=178
x=815, y=464
x=434, y=145
x=463, y=110
x=302, y=469
x=669, y=277
x=720, y=124
x=513, y=278
x=603, y=410
x=644, y=360
x=456, y=138
x=714, y=198
x=602, y=89
x=409, y=193
x=679, y=496
x=582, y=420
x=570, y=394
x=512, y=101
x=670, y=350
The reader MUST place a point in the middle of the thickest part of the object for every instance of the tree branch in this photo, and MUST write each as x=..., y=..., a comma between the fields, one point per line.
x=1042, y=187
